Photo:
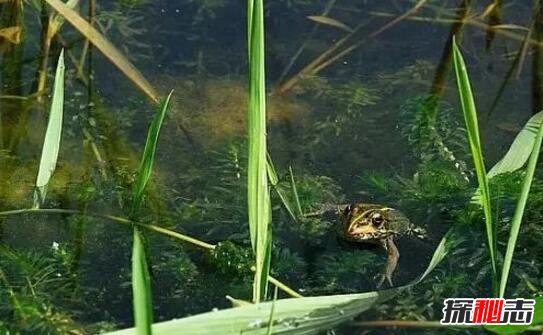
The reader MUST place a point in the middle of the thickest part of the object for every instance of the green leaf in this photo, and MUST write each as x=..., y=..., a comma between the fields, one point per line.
x=470, y=118
x=259, y=208
x=299, y=212
x=141, y=286
x=51, y=143
x=147, y=160
x=521, y=205
x=518, y=152
x=520, y=149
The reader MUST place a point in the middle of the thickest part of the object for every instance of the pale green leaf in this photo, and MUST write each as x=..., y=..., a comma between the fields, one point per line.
x=521, y=205
x=520, y=149
x=51, y=143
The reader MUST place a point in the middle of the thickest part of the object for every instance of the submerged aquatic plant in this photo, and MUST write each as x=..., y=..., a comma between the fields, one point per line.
x=434, y=138
x=36, y=291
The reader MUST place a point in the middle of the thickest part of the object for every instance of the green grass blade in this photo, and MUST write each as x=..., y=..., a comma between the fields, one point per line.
x=258, y=194
x=295, y=193
x=518, y=153
x=470, y=117
x=51, y=143
x=521, y=148
x=141, y=286
x=146, y=164
x=519, y=211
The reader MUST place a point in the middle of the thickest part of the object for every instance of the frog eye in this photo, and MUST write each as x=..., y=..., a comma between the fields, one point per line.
x=377, y=219
x=347, y=210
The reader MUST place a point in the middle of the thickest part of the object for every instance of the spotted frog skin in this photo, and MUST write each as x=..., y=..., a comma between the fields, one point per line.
x=373, y=224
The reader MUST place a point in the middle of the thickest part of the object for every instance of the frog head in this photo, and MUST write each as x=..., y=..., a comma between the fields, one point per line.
x=372, y=223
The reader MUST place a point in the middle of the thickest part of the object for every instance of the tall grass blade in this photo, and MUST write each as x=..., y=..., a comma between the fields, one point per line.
x=51, y=143
x=519, y=211
x=148, y=158
x=141, y=286
x=105, y=46
x=470, y=117
x=258, y=194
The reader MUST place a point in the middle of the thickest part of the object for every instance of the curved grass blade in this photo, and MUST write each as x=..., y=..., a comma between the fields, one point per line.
x=519, y=211
x=257, y=182
x=518, y=152
x=520, y=149
x=147, y=160
x=141, y=286
x=51, y=143
x=105, y=46
x=470, y=117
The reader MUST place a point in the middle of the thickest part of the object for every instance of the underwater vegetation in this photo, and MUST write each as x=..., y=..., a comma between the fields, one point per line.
x=200, y=210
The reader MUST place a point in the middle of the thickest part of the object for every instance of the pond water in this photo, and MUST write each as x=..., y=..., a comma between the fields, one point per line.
x=380, y=123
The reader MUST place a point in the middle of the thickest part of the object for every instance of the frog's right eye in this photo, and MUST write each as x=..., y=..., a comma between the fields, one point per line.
x=377, y=219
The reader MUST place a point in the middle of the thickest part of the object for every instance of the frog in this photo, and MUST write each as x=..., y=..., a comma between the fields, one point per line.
x=375, y=224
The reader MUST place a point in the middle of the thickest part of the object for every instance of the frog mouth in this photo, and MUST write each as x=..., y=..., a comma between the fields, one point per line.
x=371, y=236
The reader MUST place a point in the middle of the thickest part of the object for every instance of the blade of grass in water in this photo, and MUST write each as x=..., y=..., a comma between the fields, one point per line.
x=295, y=193
x=274, y=181
x=518, y=154
x=519, y=211
x=470, y=117
x=257, y=183
x=51, y=143
x=141, y=286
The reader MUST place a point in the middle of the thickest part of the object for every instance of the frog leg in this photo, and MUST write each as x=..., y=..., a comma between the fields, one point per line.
x=392, y=261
